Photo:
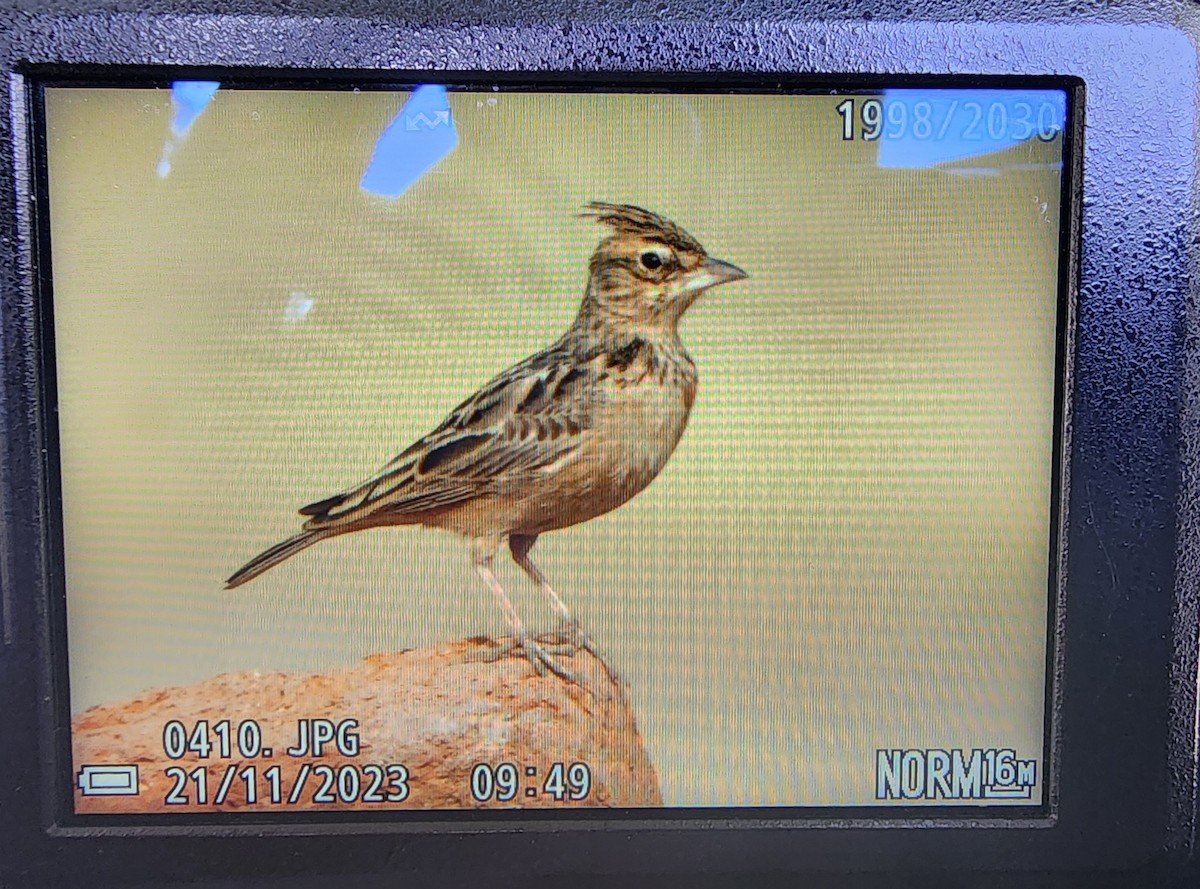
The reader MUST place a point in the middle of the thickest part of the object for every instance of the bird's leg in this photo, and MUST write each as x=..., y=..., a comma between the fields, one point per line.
x=521, y=544
x=483, y=551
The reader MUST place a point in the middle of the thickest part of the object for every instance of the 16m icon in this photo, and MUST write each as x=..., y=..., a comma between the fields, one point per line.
x=983, y=773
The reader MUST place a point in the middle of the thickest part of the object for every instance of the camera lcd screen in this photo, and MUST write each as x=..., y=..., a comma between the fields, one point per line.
x=450, y=447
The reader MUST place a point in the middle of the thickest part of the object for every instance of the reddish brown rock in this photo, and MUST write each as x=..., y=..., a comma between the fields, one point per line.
x=431, y=711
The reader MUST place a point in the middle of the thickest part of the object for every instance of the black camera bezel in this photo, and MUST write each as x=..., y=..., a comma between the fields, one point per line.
x=1125, y=679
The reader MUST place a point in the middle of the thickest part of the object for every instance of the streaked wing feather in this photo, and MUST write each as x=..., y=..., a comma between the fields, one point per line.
x=528, y=417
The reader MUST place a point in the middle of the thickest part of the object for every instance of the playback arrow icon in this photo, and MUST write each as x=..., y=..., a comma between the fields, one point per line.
x=414, y=142
x=413, y=122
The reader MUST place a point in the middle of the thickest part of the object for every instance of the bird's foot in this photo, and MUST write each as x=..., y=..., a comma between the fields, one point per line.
x=570, y=635
x=539, y=654
x=574, y=637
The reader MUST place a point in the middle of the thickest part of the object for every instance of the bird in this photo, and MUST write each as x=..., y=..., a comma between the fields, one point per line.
x=570, y=433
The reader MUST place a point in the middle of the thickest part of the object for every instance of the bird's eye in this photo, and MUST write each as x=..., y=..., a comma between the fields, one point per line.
x=651, y=260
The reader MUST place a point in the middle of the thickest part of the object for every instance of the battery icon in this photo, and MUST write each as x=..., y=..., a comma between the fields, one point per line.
x=109, y=780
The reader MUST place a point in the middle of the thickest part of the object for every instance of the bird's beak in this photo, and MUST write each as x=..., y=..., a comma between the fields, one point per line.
x=710, y=273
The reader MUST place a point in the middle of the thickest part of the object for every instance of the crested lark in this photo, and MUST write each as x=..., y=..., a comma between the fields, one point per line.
x=566, y=435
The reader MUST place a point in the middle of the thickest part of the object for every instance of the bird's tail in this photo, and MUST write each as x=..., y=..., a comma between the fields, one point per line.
x=273, y=556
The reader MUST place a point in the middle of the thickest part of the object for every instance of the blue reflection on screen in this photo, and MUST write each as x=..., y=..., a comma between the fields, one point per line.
x=190, y=98
x=420, y=135
x=923, y=127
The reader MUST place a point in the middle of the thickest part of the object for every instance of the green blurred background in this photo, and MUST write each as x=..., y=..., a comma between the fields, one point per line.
x=848, y=550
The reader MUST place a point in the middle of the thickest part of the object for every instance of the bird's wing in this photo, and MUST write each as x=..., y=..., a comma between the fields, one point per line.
x=524, y=420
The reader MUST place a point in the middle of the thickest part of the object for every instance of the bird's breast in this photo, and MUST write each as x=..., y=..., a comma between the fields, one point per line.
x=635, y=427
x=642, y=426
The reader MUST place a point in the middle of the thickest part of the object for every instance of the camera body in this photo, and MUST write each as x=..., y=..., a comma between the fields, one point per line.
x=1120, y=799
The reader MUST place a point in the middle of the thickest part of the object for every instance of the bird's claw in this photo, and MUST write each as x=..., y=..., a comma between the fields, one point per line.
x=573, y=636
x=538, y=655
x=570, y=635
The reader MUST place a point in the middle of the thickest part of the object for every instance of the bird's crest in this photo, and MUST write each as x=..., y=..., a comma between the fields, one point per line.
x=626, y=218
